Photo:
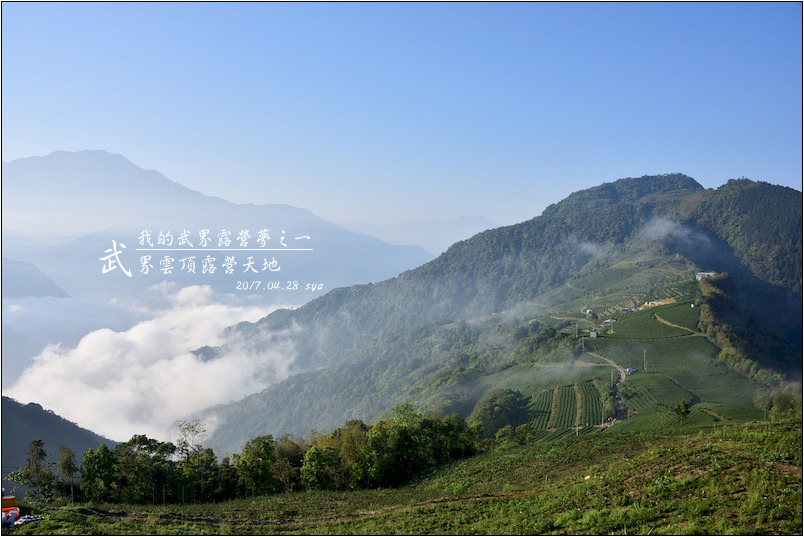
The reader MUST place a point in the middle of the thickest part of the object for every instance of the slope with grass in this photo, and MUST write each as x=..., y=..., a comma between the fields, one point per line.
x=728, y=479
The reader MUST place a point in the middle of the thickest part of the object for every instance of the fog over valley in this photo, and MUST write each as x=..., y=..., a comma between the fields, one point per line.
x=124, y=362
x=141, y=379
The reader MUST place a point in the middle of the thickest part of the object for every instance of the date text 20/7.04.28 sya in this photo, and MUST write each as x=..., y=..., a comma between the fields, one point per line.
x=275, y=285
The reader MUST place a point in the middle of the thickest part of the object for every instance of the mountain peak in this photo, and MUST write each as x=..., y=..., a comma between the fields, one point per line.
x=628, y=189
x=90, y=157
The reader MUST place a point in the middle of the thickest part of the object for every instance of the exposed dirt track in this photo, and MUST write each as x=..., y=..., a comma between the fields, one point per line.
x=620, y=413
x=668, y=323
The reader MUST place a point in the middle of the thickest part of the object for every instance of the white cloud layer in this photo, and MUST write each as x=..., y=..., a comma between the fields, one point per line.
x=139, y=381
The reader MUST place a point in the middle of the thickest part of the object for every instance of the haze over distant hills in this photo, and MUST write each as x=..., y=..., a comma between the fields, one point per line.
x=434, y=235
x=23, y=279
x=61, y=212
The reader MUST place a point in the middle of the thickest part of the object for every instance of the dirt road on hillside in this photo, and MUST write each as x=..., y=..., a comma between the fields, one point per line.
x=619, y=410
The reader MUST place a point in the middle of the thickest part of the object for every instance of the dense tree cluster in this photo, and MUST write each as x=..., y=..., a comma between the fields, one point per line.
x=146, y=471
x=501, y=408
x=762, y=223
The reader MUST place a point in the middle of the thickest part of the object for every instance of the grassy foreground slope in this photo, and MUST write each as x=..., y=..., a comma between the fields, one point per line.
x=727, y=479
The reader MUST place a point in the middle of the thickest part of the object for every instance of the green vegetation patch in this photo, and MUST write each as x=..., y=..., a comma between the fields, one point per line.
x=688, y=353
x=683, y=314
x=727, y=479
x=608, y=278
x=644, y=325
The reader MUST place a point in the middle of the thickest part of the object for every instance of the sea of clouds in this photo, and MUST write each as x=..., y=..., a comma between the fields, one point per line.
x=140, y=380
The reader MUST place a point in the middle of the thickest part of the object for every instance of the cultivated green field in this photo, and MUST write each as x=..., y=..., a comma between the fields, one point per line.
x=673, y=363
x=683, y=314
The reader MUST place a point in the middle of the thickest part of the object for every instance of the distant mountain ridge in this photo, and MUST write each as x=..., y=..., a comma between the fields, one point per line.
x=62, y=211
x=652, y=218
x=103, y=189
x=23, y=279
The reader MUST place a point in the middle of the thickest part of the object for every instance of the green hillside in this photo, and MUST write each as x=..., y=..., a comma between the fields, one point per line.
x=515, y=308
x=723, y=479
x=24, y=423
x=739, y=213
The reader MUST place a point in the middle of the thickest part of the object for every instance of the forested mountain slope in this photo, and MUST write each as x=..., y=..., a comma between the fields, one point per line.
x=23, y=424
x=375, y=342
x=761, y=223
x=491, y=271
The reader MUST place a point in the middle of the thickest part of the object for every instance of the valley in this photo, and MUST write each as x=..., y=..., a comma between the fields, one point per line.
x=585, y=374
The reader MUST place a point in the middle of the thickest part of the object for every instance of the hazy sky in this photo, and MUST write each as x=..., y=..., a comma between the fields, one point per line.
x=391, y=112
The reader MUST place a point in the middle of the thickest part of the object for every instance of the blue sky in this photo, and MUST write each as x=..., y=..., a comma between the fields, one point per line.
x=391, y=112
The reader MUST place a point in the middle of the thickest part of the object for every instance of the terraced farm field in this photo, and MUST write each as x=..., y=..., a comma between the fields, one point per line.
x=565, y=411
x=679, y=368
x=540, y=409
x=592, y=406
x=565, y=408
x=673, y=362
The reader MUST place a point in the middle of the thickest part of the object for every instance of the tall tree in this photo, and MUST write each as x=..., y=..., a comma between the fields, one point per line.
x=682, y=411
x=321, y=469
x=254, y=465
x=67, y=467
x=226, y=485
x=36, y=474
x=99, y=473
x=38, y=468
x=289, y=456
x=189, y=447
x=191, y=433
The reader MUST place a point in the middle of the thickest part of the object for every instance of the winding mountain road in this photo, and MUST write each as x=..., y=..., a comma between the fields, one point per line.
x=619, y=411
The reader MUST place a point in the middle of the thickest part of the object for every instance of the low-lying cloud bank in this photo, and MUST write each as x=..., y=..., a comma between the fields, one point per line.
x=141, y=380
x=32, y=322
